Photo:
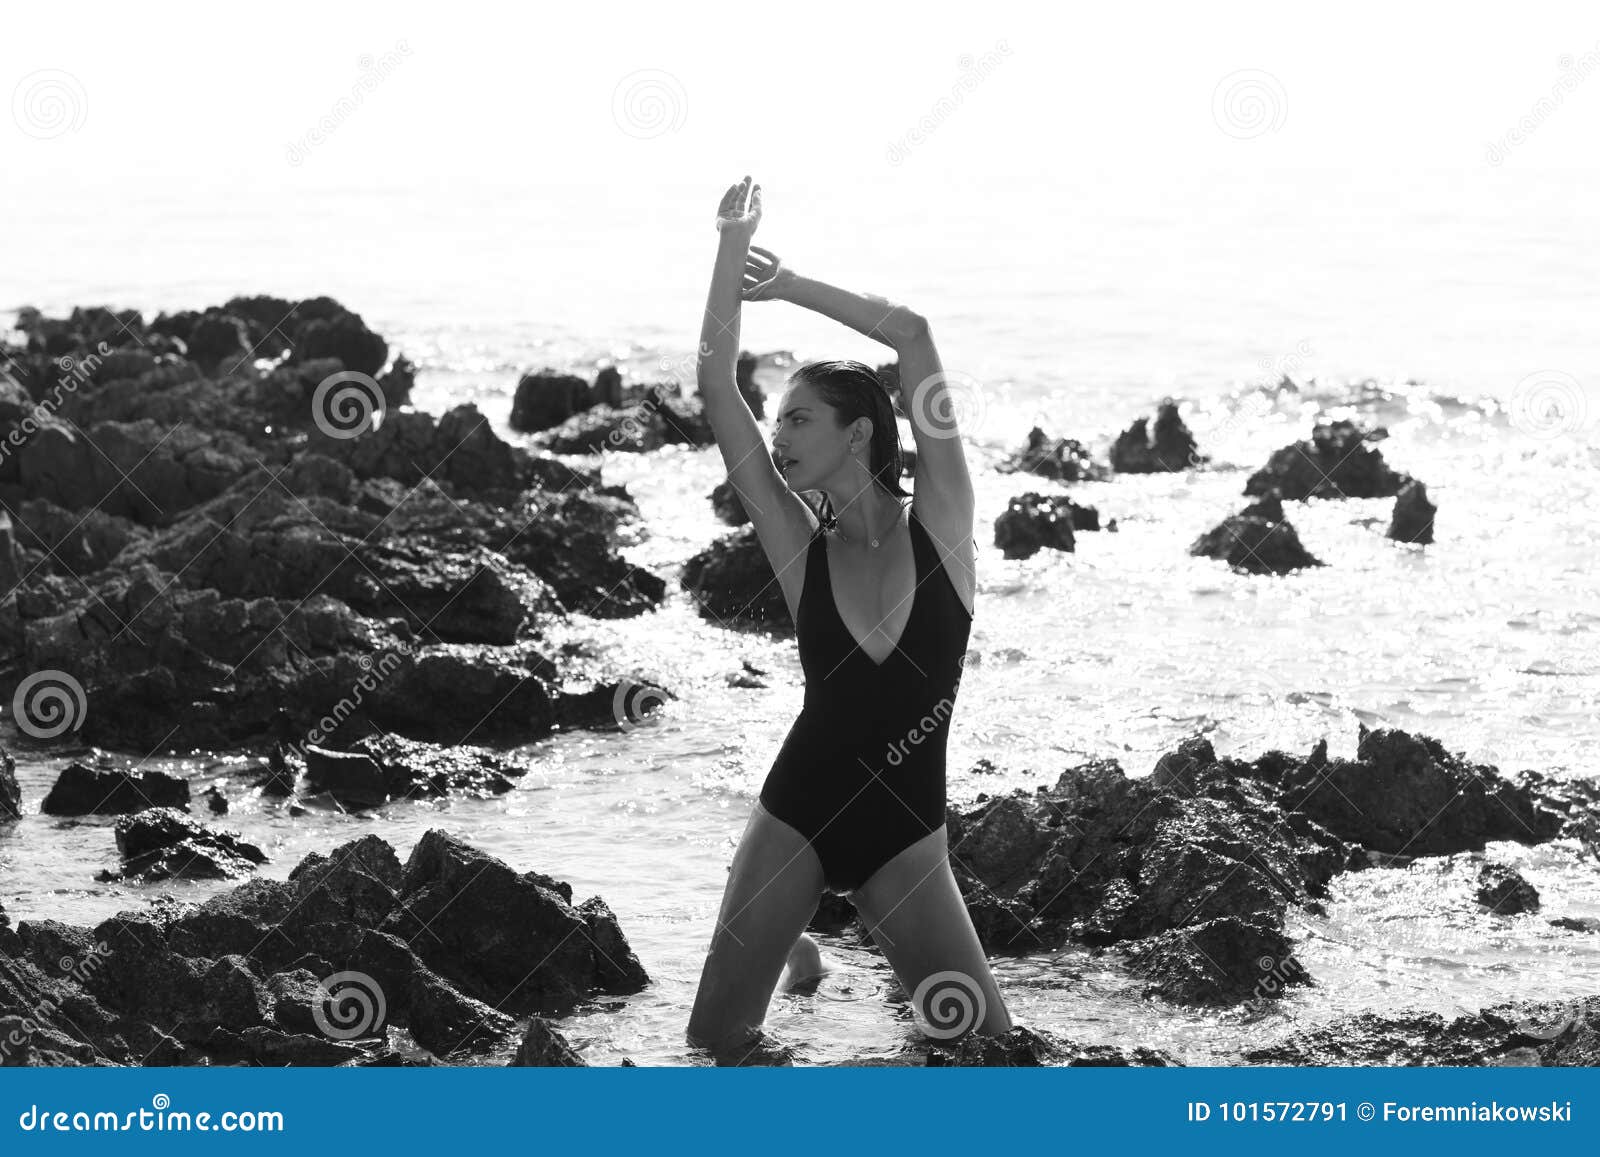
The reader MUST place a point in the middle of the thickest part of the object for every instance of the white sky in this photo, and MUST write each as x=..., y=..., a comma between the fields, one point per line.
x=211, y=94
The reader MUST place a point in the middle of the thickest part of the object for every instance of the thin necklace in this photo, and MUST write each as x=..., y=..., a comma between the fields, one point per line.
x=876, y=541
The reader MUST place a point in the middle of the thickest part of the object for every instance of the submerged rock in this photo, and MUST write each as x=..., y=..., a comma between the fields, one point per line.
x=1171, y=449
x=1503, y=890
x=543, y=1046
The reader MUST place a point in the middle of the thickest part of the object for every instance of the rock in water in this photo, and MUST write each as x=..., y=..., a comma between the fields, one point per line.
x=1503, y=890
x=1064, y=459
x=1336, y=463
x=543, y=1046
x=1172, y=448
x=1257, y=540
x=545, y=399
x=1413, y=514
x=83, y=790
x=1033, y=521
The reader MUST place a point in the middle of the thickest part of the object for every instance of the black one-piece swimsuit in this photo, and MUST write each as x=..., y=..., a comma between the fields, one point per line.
x=862, y=772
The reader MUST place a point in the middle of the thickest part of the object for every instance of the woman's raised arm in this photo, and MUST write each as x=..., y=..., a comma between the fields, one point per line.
x=737, y=218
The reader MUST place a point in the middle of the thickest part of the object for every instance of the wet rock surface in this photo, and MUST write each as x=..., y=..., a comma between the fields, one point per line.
x=1525, y=1033
x=218, y=554
x=165, y=844
x=1191, y=870
x=449, y=948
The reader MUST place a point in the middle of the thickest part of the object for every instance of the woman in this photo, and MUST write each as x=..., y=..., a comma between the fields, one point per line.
x=855, y=800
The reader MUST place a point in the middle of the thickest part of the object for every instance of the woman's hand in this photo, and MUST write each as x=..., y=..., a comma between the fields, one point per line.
x=765, y=275
x=740, y=211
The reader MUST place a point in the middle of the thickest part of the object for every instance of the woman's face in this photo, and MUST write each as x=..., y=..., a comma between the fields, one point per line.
x=807, y=444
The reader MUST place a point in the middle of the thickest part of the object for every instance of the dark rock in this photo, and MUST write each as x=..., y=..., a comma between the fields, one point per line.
x=1023, y=1047
x=1413, y=514
x=732, y=582
x=728, y=505
x=545, y=399
x=164, y=844
x=1257, y=540
x=1032, y=522
x=543, y=1046
x=512, y=940
x=83, y=790
x=1064, y=459
x=378, y=768
x=1337, y=462
x=216, y=802
x=446, y=1022
x=1216, y=962
x=1171, y=449
x=744, y=376
x=1503, y=890
x=1570, y=923
x=10, y=793
x=1541, y=1033
x=607, y=388
x=1406, y=794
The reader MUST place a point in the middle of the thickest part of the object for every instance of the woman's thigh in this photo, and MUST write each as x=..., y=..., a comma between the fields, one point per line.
x=774, y=886
x=913, y=908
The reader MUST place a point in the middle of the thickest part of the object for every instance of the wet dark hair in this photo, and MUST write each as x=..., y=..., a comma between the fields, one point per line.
x=855, y=390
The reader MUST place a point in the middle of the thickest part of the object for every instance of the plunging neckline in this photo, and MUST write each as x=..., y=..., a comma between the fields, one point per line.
x=916, y=588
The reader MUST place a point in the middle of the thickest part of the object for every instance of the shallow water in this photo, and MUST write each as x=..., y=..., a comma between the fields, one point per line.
x=1485, y=640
